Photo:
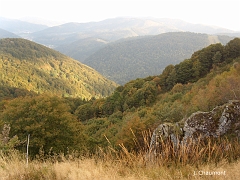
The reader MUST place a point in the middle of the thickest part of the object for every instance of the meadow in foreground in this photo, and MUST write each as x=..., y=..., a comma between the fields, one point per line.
x=189, y=162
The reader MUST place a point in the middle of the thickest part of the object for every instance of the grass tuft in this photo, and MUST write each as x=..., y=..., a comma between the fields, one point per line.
x=187, y=162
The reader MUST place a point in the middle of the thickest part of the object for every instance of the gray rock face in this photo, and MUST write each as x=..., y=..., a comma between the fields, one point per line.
x=222, y=120
x=214, y=123
x=163, y=132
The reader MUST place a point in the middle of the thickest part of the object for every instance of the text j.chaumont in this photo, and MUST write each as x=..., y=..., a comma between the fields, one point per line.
x=209, y=173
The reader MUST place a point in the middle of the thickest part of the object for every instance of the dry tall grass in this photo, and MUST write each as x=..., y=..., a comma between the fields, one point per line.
x=189, y=162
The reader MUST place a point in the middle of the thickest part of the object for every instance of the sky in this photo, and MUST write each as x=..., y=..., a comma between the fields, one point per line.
x=223, y=13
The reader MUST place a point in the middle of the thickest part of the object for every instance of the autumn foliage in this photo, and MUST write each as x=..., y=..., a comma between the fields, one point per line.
x=209, y=78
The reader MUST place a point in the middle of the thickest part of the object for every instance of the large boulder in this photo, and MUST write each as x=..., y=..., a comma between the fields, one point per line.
x=222, y=120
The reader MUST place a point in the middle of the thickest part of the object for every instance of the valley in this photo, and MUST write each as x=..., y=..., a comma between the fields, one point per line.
x=113, y=99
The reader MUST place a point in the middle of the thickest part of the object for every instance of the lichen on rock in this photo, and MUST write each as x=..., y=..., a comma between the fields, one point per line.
x=215, y=123
x=165, y=132
x=222, y=120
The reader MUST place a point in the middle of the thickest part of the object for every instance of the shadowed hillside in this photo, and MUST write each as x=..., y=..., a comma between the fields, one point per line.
x=133, y=58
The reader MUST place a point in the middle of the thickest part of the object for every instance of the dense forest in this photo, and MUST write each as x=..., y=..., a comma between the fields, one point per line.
x=28, y=65
x=138, y=57
x=209, y=78
x=83, y=48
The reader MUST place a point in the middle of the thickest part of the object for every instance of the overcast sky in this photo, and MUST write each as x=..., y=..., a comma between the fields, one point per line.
x=224, y=13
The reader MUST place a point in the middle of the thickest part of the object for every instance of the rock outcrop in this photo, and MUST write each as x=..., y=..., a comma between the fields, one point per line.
x=163, y=132
x=222, y=120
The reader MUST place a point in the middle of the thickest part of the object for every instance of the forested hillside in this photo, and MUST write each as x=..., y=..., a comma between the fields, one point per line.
x=27, y=65
x=140, y=57
x=209, y=78
x=83, y=48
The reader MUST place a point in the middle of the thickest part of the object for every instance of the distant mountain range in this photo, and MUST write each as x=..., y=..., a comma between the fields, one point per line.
x=137, y=47
x=19, y=27
x=70, y=38
x=133, y=58
x=28, y=65
x=108, y=30
x=37, y=20
x=7, y=34
x=113, y=29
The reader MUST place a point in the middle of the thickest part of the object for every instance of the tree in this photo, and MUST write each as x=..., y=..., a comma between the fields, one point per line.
x=85, y=111
x=47, y=120
x=206, y=57
x=232, y=49
x=184, y=71
x=131, y=133
x=168, y=77
x=217, y=57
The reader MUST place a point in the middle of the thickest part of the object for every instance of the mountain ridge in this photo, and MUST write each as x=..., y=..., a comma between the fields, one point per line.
x=131, y=26
x=20, y=27
x=69, y=38
x=7, y=34
x=128, y=59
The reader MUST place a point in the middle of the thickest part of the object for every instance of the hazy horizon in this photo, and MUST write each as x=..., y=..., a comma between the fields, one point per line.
x=223, y=14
